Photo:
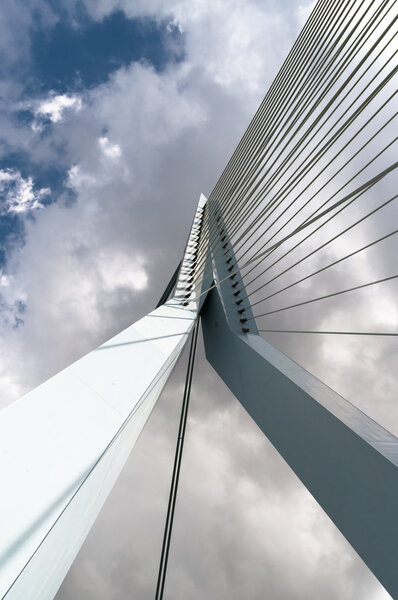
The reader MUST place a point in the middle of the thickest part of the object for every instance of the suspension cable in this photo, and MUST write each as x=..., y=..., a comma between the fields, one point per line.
x=164, y=556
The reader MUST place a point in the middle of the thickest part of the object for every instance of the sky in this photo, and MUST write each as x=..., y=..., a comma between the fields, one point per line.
x=114, y=116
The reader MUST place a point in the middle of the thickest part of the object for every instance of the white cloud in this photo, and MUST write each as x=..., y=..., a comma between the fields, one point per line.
x=77, y=179
x=18, y=193
x=120, y=271
x=54, y=107
x=4, y=280
x=110, y=150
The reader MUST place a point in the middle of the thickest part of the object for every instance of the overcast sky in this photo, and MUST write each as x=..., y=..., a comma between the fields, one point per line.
x=114, y=116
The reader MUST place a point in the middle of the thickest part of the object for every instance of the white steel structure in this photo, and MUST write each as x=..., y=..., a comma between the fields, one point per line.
x=64, y=444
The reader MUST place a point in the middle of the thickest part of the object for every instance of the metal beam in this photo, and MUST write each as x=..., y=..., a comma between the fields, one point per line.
x=169, y=288
x=348, y=462
x=64, y=444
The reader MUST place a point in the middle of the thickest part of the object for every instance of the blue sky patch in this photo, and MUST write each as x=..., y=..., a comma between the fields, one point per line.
x=67, y=57
x=12, y=232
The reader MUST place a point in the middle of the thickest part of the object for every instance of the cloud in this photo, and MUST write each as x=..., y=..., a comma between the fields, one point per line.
x=53, y=109
x=17, y=20
x=110, y=150
x=77, y=179
x=19, y=194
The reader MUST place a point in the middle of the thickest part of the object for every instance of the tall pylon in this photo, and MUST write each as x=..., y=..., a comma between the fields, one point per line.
x=317, y=150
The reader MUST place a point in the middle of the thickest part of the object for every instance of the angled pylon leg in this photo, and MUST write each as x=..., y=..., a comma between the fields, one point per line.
x=63, y=445
x=348, y=462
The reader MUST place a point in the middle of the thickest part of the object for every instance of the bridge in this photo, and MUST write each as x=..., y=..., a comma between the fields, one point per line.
x=308, y=191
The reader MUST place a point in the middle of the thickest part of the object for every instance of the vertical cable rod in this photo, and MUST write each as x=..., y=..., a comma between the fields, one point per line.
x=164, y=556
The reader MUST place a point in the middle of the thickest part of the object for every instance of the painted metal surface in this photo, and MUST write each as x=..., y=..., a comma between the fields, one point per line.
x=63, y=444
x=193, y=280
x=348, y=462
x=228, y=278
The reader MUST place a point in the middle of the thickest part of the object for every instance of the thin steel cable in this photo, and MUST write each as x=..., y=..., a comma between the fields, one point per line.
x=335, y=237
x=329, y=85
x=211, y=196
x=176, y=468
x=353, y=196
x=235, y=203
x=294, y=181
x=274, y=247
x=352, y=289
x=328, y=266
x=379, y=333
x=299, y=105
x=384, y=5
x=318, y=191
x=282, y=105
x=385, y=46
x=292, y=58
x=235, y=224
x=304, y=171
x=324, y=204
x=281, y=88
